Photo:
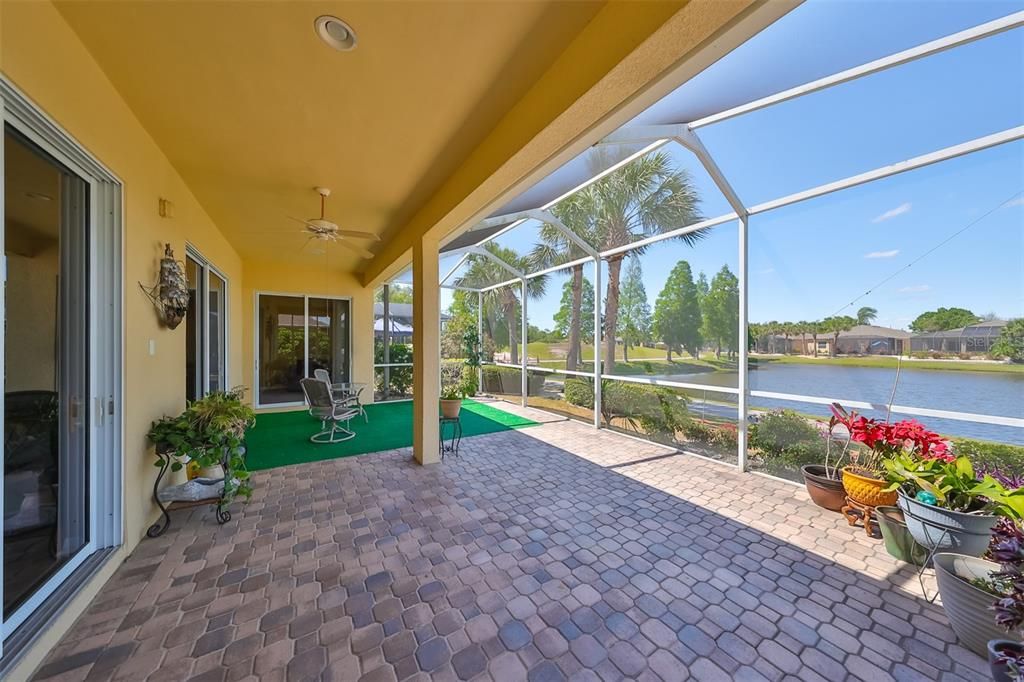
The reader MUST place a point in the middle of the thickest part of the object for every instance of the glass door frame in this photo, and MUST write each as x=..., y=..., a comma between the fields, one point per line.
x=305, y=340
x=206, y=268
x=103, y=413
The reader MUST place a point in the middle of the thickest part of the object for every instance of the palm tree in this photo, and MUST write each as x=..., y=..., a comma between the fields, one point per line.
x=648, y=196
x=866, y=315
x=484, y=271
x=577, y=213
x=803, y=328
x=836, y=325
x=815, y=329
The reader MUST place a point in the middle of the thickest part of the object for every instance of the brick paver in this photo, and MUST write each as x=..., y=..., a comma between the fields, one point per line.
x=550, y=553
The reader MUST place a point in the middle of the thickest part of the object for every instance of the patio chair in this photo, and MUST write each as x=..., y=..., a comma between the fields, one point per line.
x=347, y=394
x=324, y=407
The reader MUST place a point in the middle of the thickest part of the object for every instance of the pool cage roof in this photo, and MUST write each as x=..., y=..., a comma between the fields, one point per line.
x=677, y=121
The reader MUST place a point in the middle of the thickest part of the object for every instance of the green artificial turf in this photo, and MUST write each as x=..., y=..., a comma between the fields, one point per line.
x=282, y=438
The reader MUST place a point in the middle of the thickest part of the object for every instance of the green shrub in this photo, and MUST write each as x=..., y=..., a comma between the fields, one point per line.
x=786, y=439
x=508, y=381
x=401, y=377
x=579, y=392
x=1008, y=459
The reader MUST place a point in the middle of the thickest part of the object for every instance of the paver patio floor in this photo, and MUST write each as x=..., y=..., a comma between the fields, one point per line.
x=550, y=553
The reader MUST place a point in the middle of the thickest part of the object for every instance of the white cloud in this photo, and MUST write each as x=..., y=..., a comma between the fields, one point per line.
x=1019, y=201
x=766, y=271
x=916, y=289
x=892, y=213
x=882, y=254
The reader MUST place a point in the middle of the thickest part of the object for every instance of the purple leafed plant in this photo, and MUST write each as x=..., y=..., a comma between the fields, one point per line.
x=1007, y=548
x=1007, y=479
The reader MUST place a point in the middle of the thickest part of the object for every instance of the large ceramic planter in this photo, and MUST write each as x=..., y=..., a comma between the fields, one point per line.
x=947, y=530
x=898, y=541
x=824, y=490
x=1000, y=671
x=864, y=488
x=967, y=607
x=450, y=408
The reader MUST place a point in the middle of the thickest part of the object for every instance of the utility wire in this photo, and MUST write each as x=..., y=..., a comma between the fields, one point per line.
x=931, y=250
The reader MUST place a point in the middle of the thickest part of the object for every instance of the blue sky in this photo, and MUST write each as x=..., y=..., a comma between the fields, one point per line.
x=809, y=260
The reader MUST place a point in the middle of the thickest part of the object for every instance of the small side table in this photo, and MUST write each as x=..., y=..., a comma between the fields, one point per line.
x=452, y=446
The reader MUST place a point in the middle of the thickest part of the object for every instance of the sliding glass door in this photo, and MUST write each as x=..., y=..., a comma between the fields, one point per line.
x=46, y=383
x=296, y=336
x=205, y=328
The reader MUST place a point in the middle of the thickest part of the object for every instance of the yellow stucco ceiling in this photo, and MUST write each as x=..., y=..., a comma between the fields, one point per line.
x=253, y=110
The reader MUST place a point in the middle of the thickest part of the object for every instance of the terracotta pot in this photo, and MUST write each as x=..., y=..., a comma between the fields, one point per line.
x=1000, y=671
x=825, y=491
x=863, y=487
x=968, y=608
x=450, y=408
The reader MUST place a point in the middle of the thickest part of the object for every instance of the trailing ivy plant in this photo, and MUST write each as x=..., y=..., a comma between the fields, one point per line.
x=209, y=432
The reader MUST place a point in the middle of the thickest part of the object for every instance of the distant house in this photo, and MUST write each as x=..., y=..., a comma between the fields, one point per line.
x=864, y=339
x=401, y=321
x=975, y=339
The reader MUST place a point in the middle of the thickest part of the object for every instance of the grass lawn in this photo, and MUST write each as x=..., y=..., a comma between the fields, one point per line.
x=890, y=363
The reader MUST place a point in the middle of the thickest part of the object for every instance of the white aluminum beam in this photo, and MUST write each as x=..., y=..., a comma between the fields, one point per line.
x=563, y=266
x=455, y=287
x=711, y=222
x=975, y=145
x=479, y=339
x=597, y=344
x=525, y=333
x=506, y=266
x=933, y=47
x=458, y=264
x=499, y=285
x=689, y=139
x=743, y=379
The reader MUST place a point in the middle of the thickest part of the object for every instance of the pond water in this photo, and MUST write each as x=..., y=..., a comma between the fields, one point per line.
x=990, y=393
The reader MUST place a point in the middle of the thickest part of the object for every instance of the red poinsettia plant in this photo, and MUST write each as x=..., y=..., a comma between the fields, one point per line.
x=885, y=440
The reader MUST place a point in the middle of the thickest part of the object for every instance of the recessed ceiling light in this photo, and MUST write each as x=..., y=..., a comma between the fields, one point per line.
x=38, y=196
x=335, y=32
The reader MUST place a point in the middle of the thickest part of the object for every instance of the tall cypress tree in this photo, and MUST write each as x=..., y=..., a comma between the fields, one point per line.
x=677, y=319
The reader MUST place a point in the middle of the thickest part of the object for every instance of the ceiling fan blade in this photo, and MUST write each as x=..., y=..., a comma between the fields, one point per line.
x=356, y=234
x=352, y=247
x=300, y=220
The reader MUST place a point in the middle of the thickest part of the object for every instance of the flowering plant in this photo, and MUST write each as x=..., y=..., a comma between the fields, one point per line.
x=885, y=440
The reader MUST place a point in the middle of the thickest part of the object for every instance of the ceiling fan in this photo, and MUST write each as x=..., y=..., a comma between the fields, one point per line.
x=324, y=230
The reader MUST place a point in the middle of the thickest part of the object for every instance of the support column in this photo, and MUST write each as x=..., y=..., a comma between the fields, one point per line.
x=744, y=326
x=597, y=343
x=480, y=340
x=426, y=343
x=523, y=334
x=386, y=340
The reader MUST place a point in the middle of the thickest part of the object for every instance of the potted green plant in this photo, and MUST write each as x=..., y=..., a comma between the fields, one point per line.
x=451, y=402
x=210, y=433
x=945, y=504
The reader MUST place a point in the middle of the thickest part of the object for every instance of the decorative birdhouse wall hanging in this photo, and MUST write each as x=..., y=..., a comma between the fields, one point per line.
x=170, y=293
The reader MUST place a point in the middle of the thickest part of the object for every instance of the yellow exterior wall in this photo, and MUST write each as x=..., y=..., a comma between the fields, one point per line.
x=43, y=57
x=320, y=281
